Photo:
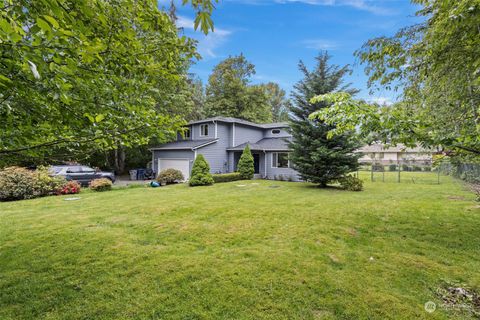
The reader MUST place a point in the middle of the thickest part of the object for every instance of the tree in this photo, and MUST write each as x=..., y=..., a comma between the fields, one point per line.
x=230, y=94
x=200, y=173
x=83, y=75
x=317, y=157
x=279, y=104
x=245, y=164
x=436, y=64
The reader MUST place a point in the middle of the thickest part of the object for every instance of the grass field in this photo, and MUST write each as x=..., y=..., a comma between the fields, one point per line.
x=241, y=250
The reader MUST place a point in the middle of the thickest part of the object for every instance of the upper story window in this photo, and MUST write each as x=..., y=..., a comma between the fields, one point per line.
x=186, y=134
x=280, y=160
x=204, y=130
x=276, y=131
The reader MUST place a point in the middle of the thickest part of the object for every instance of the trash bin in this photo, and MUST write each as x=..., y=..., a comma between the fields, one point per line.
x=133, y=174
x=140, y=174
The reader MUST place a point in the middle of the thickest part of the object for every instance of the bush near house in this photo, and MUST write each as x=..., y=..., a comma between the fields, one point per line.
x=102, y=184
x=18, y=183
x=245, y=164
x=392, y=167
x=170, y=176
x=201, y=173
x=226, y=177
x=351, y=183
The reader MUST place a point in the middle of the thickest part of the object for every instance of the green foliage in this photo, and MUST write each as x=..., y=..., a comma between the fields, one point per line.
x=170, y=176
x=279, y=104
x=230, y=94
x=392, y=167
x=351, y=183
x=318, y=156
x=83, y=75
x=102, y=184
x=201, y=175
x=226, y=177
x=436, y=64
x=18, y=183
x=245, y=165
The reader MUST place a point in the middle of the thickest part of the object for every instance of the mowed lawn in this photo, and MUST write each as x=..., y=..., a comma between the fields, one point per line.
x=240, y=250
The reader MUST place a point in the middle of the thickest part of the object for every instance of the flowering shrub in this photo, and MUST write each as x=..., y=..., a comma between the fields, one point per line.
x=170, y=176
x=70, y=187
x=18, y=183
x=102, y=184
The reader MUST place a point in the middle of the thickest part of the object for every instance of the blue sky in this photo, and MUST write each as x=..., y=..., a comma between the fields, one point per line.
x=275, y=34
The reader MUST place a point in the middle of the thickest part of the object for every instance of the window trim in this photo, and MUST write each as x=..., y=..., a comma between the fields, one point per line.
x=205, y=125
x=187, y=134
x=274, y=163
x=279, y=131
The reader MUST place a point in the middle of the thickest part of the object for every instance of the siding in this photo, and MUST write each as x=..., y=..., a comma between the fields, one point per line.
x=216, y=153
x=171, y=154
x=247, y=134
x=195, y=131
x=286, y=173
x=283, y=133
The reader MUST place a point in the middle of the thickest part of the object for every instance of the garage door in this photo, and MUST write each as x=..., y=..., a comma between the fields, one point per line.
x=180, y=164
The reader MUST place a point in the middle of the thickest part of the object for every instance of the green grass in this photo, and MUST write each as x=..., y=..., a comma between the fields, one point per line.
x=239, y=252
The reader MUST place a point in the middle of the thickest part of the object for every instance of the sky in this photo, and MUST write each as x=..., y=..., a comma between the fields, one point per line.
x=275, y=35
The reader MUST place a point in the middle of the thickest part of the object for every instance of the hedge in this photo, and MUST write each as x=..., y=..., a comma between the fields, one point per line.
x=226, y=177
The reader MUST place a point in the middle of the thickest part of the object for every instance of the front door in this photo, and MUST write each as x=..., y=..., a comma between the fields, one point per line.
x=256, y=163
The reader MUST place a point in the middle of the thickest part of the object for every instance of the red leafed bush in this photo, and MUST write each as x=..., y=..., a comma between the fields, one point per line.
x=71, y=187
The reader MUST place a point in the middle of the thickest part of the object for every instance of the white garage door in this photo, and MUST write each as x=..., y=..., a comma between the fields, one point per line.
x=180, y=164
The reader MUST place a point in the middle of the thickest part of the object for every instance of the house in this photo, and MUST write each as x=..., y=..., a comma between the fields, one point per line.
x=221, y=141
x=379, y=153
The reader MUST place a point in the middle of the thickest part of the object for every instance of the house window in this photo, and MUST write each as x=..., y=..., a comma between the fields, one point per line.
x=280, y=160
x=186, y=133
x=276, y=131
x=204, y=130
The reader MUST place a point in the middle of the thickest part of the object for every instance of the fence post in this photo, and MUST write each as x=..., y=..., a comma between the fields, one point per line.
x=371, y=172
x=398, y=165
x=438, y=173
x=383, y=173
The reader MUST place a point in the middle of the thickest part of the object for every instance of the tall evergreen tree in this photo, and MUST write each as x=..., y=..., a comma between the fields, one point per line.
x=246, y=164
x=317, y=158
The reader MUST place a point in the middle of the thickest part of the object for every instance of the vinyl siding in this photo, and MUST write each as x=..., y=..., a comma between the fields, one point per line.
x=283, y=133
x=286, y=173
x=216, y=153
x=247, y=134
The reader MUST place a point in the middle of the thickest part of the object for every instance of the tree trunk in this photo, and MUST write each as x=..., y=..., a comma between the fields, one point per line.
x=119, y=160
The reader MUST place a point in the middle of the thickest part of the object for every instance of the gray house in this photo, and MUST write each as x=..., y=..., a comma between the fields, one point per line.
x=221, y=141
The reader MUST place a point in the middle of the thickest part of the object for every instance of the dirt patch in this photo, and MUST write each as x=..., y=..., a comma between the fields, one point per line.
x=458, y=198
x=459, y=299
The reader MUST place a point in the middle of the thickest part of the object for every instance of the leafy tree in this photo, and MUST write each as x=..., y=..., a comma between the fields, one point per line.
x=230, y=94
x=317, y=157
x=436, y=63
x=279, y=104
x=80, y=75
x=200, y=173
x=245, y=164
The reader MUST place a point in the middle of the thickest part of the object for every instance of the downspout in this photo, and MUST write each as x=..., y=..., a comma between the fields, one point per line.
x=265, y=176
x=215, y=122
x=233, y=136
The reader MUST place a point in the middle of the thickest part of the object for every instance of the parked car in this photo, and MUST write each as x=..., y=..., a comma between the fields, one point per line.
x=80, y=173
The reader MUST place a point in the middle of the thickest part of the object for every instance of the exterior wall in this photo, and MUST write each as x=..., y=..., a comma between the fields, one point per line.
x=171, y=154
x=245, y=134
x=283, y=133
x=216, y=153
x=195, y=131
x=286, y=173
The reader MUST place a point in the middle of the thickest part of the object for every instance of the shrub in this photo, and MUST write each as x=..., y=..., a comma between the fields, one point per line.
x=351, y=183
x=70, y=187
x=405, y=167
x=427, y=168
x=201, y=173
x=392, y=167
x=416, y=168
x=19, y=183
x=226, y=177
x=245, y=164
x=102, y=184
x=170, y=176
x=378, y=167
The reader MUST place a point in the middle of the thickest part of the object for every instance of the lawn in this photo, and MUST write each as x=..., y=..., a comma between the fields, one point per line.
x=241, y=250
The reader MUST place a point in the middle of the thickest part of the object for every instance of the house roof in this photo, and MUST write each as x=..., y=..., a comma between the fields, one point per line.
x=244, y=122
x=378, y=147
x=185, y=144
x=266, y=144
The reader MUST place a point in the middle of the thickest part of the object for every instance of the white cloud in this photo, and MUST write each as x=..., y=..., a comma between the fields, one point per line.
x=381, y=100
x=207, y=44
x=320, y=44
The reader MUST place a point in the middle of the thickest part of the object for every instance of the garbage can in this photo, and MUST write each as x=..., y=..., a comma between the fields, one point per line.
x=140, y=174
x=133, y=174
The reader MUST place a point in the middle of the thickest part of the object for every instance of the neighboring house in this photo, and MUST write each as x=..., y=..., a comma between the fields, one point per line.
x=221, y=141
x=380, y=153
